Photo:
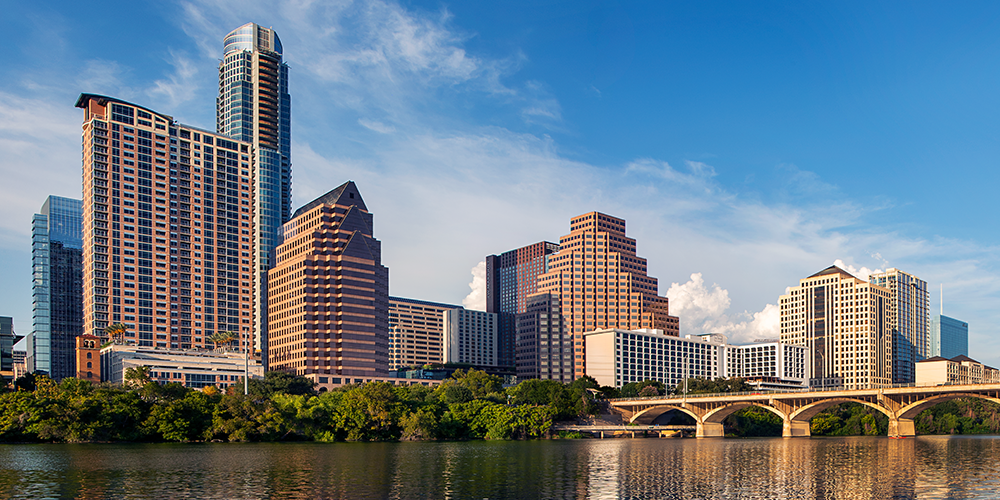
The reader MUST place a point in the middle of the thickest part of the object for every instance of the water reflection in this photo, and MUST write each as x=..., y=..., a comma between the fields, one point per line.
x=819, y=468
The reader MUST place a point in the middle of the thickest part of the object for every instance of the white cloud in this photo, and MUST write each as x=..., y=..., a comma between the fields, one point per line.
x=476, y=299
x=376, y=126
x=704, y=309
x=862, y=273
x=181, y=86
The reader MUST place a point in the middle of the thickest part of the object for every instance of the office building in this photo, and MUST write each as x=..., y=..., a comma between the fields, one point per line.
x=511, y=278
x=7, y=340
x=329, y=292
x=957, y=370
x=542, y=342
x=254, y=106
x=88, y=358
x=616, y=357
x=167, y=227
x=194, y=369
x=949, y=337
x=416, y=332
x=57, y=287
x=601, y=283
x=470, y=337
x=844, y=321
x=769, y=365
x=908, y=316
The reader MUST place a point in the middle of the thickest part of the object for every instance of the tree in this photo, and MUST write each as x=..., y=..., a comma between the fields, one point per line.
x=281, y=382
x=222, y=338
x=137, y=376
x=632, y=389
x=116, y=332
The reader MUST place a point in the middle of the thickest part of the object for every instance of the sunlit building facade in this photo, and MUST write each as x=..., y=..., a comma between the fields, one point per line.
x=416, y=332
x=908, y=316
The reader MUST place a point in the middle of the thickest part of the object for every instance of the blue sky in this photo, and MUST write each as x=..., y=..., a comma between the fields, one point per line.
x=748, y=145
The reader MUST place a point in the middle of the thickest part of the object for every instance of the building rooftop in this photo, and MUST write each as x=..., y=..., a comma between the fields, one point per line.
x=832, y=270
x=346, y=191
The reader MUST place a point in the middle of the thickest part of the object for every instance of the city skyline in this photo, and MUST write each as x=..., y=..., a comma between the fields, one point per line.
x=516, y=138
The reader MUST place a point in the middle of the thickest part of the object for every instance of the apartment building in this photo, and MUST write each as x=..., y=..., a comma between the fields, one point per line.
x=416, y=332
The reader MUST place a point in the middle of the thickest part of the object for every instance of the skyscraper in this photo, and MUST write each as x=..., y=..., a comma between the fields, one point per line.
x=908, y=316
x=510, y=278
x=601, y=283
x=416, y=332
x=254, y=106
x=844, y=321
x=470, y=337
x=167, y=227
x=57, y=287
x=329, y=304
x=949, y=337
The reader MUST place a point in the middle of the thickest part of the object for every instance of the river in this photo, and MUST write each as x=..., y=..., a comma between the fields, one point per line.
x=927, y=467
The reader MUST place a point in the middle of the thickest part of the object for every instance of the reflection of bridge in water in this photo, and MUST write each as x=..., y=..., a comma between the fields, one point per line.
x=796, y=409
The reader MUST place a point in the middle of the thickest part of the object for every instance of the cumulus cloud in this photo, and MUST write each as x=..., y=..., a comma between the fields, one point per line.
x=862, y=272
x=476, y=299
x=705, y=309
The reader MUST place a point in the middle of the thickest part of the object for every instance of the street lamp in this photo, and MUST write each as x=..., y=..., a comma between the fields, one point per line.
x=246, y=363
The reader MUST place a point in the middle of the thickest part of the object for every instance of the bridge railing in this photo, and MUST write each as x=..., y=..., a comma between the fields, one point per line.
x=790, y=391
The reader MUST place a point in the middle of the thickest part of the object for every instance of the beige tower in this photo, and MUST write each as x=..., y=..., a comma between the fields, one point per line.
x=601, y=283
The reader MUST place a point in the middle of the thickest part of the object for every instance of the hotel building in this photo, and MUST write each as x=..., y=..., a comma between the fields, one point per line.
x=167, y=227
x=957, y=370
x=57, y=287
x=949, y=337
x=908, y=317
x=254, y=106
x=601, y=283
x=470, y=337
x=844, y=321
x=416, y=332
x=329, y=292
x=769, y=365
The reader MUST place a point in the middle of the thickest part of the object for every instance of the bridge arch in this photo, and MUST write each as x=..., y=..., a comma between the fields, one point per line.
x=650, y=414
x=719, y=414
x=807, y=412
x=910, y=411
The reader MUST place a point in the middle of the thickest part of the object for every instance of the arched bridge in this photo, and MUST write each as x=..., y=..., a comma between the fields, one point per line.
x=796, y=409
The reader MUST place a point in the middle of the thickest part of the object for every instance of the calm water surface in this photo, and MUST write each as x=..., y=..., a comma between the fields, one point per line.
x=818, y=468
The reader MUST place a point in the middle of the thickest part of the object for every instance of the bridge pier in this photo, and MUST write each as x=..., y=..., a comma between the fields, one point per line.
x=902, y=427
x=709, y=429
x=795, y=428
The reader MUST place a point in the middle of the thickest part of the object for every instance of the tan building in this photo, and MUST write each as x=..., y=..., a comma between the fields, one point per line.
x=194, y=369
x=842, y=320
x=88, y=358
x=909, y=317
x=329, y=292
x=416, y=332
x=957, y=370
x=167, y=227
x=601, y=283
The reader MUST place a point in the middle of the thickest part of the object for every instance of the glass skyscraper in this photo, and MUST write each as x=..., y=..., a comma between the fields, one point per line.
x=949, y=337
x=57, y=287
x=254, y=106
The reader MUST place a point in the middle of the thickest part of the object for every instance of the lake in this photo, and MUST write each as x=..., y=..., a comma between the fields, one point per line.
x=927, y=467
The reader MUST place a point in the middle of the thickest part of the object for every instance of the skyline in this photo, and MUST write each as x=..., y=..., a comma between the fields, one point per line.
x=742, y=160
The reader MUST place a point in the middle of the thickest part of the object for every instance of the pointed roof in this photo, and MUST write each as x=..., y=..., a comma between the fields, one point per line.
x=961, y=357
x=831, y=270
x=346, y=194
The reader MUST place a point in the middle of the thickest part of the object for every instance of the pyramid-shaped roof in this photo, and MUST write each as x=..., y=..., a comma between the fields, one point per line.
x=346, y=194
x=832, y=270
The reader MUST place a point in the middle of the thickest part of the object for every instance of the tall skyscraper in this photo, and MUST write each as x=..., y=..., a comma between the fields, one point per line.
x=542, y=342
x=470, y=337
x=416, y=332
x=57, y=287
x=844, y=321
x=949, y=337
x=167, y=227
x=329, y=304
x=254, y=106
x=908, y=316
x=601, y=283
x=510, y=278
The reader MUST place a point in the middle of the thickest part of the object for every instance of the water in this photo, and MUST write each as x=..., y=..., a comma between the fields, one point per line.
x=928, y=467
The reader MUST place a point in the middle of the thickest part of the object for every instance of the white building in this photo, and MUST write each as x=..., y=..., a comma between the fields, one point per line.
x=958, y=370
x=194, y=369
x=470, y=337
x=769, y=365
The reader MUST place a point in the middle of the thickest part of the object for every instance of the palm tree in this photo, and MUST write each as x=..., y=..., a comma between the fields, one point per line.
x=116, y=331
x=222, y=338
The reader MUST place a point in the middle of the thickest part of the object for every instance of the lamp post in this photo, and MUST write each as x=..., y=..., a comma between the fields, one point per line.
x=246, y=363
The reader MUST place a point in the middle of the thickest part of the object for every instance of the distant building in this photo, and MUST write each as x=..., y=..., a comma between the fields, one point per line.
x=57, y=287
x=195, y=369
x=907, y=315
x=19, y=368
x=329, y=293
x=544, y=348
x=949, y=337
x=88, y=358
x=957, y=370
x=7, y=340
x=416, y=332
x=470, y=337
x=769, y=365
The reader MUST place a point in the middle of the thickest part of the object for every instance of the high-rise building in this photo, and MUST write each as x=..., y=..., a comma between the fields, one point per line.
x=601, y=283
x=949, y=337
x=908, y=316
x=416, y=332
x=57, y=287
x=844, y=321
x=167, y=227
x=542, y=342
x=7, y=340
x=510, y=278
x=254, y=106
x=329, y=303
x=470, y=337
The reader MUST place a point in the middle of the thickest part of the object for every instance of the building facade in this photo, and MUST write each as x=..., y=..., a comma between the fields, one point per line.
x=470, y=337
x=909, y=303
x=949, y=337
x=769, y=365
x=167, y=227
x=329, y=292
x=194, y=369
x=617, y=357
x=957, y=370
x=254, y=106
x=416, y=332
x=601, y=283
x=844, y=321
x=544, y=348
x=511, y=278
x=7, y=340
x=57, y=287
x=88, y=358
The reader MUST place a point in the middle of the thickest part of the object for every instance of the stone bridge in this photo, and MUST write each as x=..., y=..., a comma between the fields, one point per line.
x=796, y=409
